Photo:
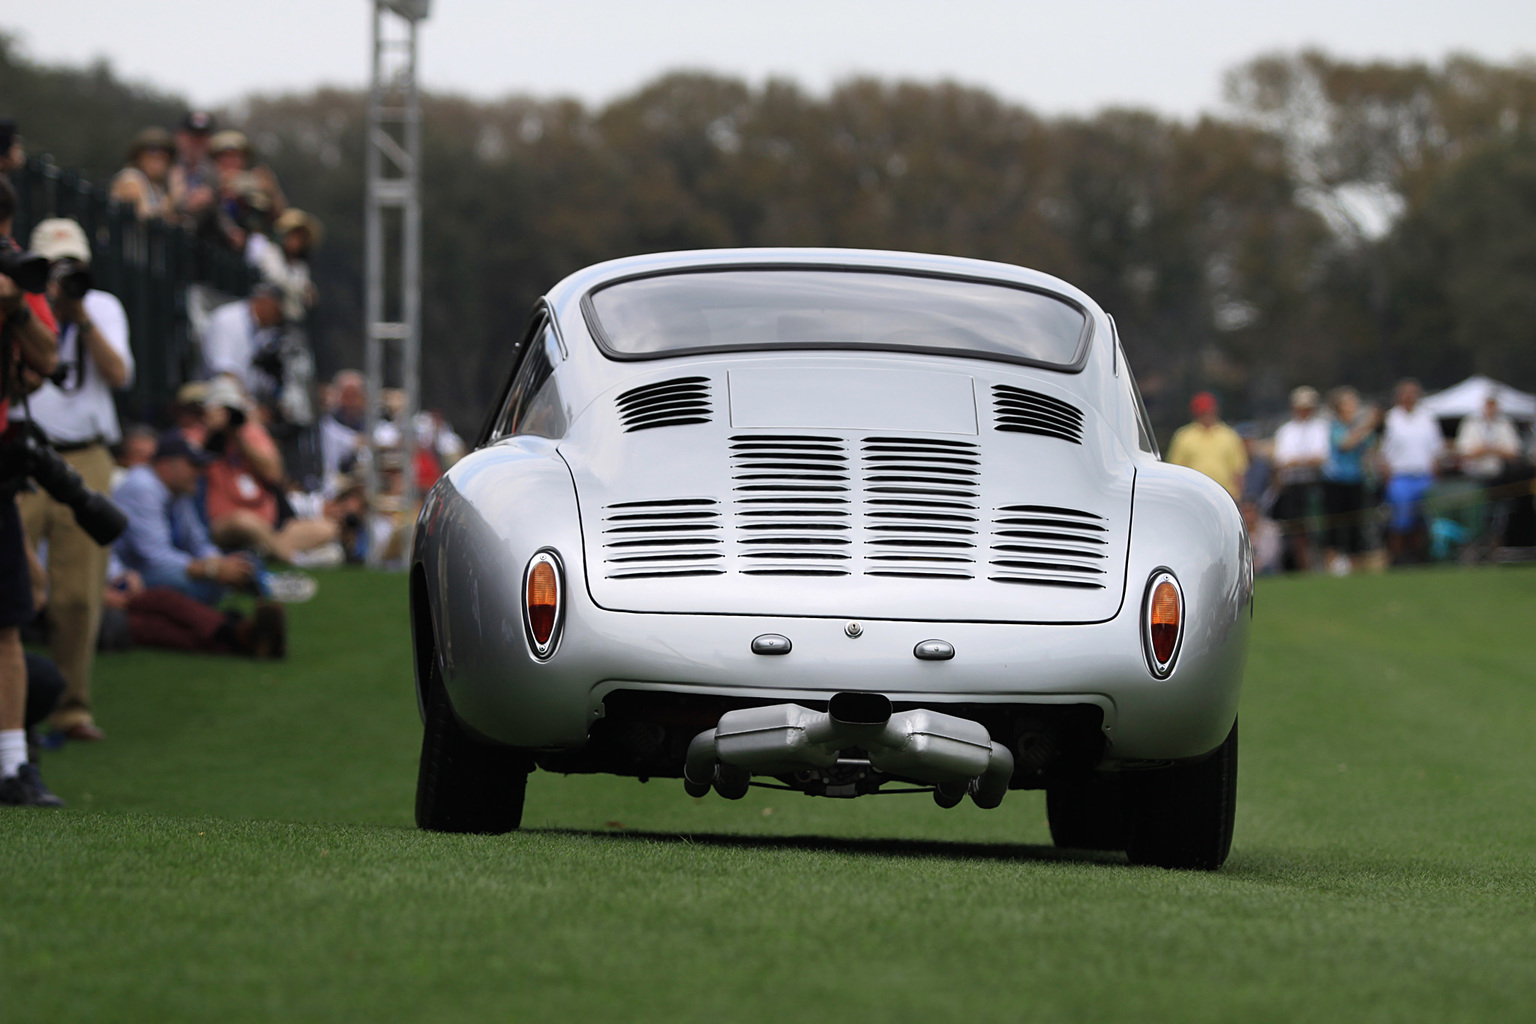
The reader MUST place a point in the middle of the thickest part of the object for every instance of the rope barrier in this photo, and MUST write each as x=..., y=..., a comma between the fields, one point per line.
x=1481, y=495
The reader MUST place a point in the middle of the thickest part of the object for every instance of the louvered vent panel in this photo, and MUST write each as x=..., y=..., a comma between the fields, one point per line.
x=1030, y=412
x=920, y=512
x=673, y=537
x=793, y=496
x=670, y=403
x=1048, y=546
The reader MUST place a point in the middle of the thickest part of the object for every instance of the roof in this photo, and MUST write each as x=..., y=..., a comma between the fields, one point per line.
x=1466, y=399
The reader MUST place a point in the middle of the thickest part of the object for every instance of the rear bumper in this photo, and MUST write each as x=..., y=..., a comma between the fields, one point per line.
x=502, y=692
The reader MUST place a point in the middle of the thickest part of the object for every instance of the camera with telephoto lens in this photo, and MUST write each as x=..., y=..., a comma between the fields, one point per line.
x=73, y=277
x=24, y=453
x=27, y=269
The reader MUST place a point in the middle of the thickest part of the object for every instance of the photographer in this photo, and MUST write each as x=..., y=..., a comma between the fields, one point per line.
x=245, y=478
x=27, y=337
x=242, y=340
x=76, y=412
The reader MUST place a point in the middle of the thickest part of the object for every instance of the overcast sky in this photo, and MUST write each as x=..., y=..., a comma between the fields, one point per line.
x=1068, y=56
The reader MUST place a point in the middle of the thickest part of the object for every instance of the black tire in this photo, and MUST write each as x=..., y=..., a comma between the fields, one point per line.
x=464, y=784
x=1085, y=813
x=1181, y=817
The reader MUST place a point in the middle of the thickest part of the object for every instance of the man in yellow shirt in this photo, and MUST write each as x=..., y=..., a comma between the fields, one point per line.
x=1210, y=446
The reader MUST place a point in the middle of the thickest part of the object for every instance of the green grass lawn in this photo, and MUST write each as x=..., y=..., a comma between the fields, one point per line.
x=241, y=849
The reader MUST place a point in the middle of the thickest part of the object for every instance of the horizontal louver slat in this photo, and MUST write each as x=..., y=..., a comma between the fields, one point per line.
x=918, y=492
x=1030, y=412
x=668, y=403
x=1048, y=546
x=792, y=495
x=663, y=538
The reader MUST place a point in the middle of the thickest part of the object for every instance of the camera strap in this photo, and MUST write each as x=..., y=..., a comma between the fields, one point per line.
x=62, y=379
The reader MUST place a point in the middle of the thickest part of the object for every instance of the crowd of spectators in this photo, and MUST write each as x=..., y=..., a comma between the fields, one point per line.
x=253, y=475
x=1350, y=487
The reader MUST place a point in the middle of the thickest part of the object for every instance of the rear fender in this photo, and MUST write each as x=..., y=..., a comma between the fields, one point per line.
x=481, y=524
x=1189, y=524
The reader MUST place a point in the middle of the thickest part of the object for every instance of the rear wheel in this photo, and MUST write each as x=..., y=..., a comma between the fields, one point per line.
x=1181, y=817
x=465, y=784
x=1084, y=812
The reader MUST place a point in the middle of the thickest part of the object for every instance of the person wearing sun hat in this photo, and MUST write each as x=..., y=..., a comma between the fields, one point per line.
x=1210, y=446
x=234, y=160
x=145, y=180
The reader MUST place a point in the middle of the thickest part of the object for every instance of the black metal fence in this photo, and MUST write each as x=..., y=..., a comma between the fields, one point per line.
x=148, y=265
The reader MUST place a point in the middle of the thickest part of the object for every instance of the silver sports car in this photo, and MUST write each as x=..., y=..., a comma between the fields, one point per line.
x=837, y=521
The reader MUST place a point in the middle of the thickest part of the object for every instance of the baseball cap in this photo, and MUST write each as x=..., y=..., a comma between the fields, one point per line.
x=60, y=239
x=174, y=446
x=1202, y=403
x=198, y=122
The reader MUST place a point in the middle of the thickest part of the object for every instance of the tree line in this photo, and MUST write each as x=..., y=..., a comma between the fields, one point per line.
x=1343, y=223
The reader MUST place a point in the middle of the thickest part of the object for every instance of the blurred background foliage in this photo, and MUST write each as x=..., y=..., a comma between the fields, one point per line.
x=1340, y=223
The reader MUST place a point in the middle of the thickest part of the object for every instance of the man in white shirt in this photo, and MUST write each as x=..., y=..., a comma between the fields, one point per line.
x=243, y=335
x=76, y=411
x=1486, y=442
x=1301, y=448
x=341, y=429
x=1489, y=449
x=1411, y=446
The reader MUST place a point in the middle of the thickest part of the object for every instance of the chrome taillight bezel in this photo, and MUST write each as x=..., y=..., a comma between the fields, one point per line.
x=1161, y=669
x=546, y=650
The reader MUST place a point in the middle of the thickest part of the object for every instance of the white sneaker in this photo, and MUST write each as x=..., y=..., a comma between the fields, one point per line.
x=289, y=587
x=326, y=556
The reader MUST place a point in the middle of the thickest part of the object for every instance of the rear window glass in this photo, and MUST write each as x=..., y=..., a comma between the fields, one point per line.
x=724, y=310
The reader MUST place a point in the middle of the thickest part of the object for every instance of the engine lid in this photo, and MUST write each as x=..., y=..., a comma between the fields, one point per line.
x=808, y=491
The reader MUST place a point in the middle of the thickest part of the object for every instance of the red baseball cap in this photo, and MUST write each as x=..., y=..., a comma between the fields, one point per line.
x=1202, y=403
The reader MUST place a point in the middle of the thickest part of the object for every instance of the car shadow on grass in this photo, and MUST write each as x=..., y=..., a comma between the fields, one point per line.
x=877, y=847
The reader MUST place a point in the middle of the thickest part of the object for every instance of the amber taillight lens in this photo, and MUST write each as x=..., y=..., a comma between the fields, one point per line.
x=542, y=602
x=1164, y=621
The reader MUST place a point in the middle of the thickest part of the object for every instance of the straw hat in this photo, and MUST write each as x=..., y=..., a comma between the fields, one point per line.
x=229, y=141
x=151, y=139
x=294, y=219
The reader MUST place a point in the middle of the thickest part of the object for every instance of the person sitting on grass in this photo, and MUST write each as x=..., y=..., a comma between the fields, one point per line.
x=140, y=616
x=245, y=474
x=166, y=543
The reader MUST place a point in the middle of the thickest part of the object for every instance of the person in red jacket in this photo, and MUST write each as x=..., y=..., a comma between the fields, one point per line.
x=30, y=338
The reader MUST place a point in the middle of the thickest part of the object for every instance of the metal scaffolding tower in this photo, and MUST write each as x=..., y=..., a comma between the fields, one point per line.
x=392, y=230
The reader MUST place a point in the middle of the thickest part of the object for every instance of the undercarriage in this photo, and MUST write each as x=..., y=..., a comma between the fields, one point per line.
x=647, y=734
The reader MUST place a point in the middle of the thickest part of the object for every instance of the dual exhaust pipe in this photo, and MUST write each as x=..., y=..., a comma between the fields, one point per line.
x=955, y=755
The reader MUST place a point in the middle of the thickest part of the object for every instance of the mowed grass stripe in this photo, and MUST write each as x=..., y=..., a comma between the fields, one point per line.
x=240, y=850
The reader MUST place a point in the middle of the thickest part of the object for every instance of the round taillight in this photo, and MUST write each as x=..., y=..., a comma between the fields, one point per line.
x=541, y=602
x=1164, y=621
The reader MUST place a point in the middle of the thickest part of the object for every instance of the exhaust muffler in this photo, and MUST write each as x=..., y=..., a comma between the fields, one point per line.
x=955, y=755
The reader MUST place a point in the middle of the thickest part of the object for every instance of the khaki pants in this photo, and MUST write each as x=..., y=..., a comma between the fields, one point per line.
x=77, y=574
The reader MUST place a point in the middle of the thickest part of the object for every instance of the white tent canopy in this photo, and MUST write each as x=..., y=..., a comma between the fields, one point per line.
x=1467, y=398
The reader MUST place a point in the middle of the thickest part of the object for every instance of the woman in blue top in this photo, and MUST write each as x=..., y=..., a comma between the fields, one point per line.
x=1349, y=437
